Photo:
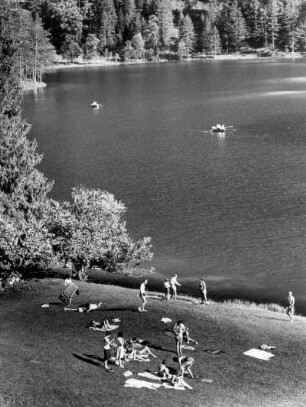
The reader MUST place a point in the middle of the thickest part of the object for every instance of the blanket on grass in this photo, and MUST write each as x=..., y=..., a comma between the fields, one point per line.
x=259, y=354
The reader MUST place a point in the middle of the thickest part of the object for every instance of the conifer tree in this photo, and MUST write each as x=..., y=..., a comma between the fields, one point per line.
x=165, y=22
x=23, y=189
x=187, y=35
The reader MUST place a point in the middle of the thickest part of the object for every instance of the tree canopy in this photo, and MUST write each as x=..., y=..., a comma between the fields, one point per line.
x=74, y=27
x=36, y=230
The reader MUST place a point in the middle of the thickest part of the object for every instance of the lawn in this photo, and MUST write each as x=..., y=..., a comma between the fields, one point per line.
x=49, y=357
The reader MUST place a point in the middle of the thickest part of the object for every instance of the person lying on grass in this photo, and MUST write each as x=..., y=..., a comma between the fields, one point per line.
x=135, y=351
x=104, y=324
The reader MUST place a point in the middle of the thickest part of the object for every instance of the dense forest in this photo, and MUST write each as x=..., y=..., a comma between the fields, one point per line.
x=36, y=231
x=150, y=29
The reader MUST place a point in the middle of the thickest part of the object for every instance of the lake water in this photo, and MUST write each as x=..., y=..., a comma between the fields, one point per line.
x=230, y=208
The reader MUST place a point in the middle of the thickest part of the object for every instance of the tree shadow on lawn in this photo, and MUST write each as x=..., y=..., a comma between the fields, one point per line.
x=91, y=359
x=118, y=309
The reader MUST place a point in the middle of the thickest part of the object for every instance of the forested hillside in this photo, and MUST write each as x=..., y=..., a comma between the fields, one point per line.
x=149, y=29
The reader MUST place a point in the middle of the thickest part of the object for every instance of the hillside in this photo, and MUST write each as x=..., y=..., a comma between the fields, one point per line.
x=49, y=357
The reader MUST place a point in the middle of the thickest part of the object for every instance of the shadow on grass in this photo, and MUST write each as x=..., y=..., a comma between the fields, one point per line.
x=91, y=359
x=57, y=304
x=119, y=309
x=95, y=357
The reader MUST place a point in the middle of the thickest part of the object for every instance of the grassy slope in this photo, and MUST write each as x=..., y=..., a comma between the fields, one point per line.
x=49, y=357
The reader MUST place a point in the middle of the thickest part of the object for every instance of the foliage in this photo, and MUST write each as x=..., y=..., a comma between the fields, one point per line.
x=90, y=231
x=278, y=24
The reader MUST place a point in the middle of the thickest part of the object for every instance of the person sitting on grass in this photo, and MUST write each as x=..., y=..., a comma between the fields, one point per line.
x=106, y=348
x=135, y=351
x=187, y=337
x=178, y=381
x=163, y=370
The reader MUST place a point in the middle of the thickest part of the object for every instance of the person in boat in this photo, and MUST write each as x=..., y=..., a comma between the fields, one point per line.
x=218, y=127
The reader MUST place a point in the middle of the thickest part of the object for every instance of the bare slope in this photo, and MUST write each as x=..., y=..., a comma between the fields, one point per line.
x=49, y=357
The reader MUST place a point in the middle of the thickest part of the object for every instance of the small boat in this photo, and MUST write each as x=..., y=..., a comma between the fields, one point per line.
x=218, y=128
x=95, y=105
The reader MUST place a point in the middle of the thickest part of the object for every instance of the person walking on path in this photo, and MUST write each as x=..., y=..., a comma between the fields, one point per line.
x=142, y=295
x=106, y=348
x=167, y=288
x=290, y=308
x=173, y=284
x=179, y=330
x=203, y=291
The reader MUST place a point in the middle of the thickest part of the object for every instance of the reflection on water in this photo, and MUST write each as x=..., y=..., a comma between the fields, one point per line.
x=227, y=206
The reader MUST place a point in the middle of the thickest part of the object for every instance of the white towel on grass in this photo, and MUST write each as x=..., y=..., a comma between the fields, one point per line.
x=259, y=354
x=139, y=384
x=128, y=373
x=166, y=320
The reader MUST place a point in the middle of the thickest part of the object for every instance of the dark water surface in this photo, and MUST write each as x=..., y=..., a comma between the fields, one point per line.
x=230, y=208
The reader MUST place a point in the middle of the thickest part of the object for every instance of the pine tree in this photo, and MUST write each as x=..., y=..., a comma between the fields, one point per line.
x=187, y=35
x=165, y=22
x=103, y=20
x=23, y=189
x=291, y=32
x=9, y=57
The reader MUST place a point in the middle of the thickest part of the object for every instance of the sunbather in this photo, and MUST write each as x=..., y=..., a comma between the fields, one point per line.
x=104, y=324
x=185, y=363
x=163, y=370
x=178, y=381
x=136, y=351
x=187, y=337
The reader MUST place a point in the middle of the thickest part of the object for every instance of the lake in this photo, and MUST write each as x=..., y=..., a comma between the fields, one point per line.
x=230, y=208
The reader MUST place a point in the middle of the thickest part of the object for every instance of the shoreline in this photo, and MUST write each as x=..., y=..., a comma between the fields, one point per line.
x=188, y=289
x=103, y=63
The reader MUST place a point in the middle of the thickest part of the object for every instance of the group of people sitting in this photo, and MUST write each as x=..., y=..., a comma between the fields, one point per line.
x=138, y=350
x=133, y=349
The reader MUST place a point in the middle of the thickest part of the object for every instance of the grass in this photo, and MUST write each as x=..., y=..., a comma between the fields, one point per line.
x=49, y=357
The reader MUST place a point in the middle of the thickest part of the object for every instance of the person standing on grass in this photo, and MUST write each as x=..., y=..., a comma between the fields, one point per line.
x=179, y=330
x=290, y=308
x=142, y=295
x=167, y=288
x=120, y=356
x=106, y=348
x=173, y=284
x=203, y=291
